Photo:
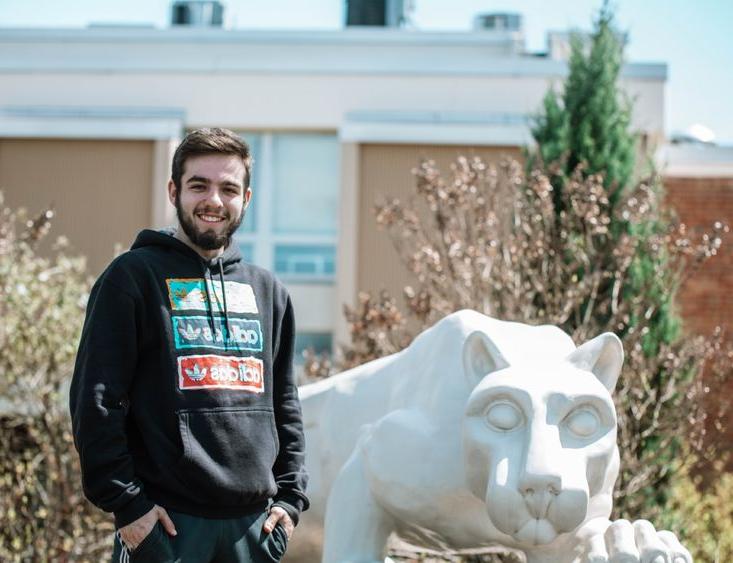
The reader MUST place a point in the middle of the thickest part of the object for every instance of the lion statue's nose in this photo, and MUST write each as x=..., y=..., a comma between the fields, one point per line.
x=539, y=491
x=532, y=483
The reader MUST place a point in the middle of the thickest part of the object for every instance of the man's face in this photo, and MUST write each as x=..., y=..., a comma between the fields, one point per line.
x=212, y=200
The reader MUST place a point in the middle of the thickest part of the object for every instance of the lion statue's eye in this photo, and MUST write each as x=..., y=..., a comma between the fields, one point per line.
x=583, y=422
x=504, y=416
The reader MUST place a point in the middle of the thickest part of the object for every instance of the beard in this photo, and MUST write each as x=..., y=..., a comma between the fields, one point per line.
x=208, y=239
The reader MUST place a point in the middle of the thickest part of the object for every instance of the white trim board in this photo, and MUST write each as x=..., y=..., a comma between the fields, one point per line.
x=91, y=123
x=436, y=134
x=334, y=52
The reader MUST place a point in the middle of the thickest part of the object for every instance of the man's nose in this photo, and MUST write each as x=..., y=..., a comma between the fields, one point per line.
x=214, y=198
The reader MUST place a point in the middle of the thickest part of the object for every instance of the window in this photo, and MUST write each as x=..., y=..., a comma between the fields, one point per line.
x=309, y=261
x=305, y=183
x=291, y=223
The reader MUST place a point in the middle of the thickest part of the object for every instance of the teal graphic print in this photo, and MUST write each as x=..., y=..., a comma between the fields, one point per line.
x=195, y=332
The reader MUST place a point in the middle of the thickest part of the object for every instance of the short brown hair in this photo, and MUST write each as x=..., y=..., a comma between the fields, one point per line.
x=212, y=140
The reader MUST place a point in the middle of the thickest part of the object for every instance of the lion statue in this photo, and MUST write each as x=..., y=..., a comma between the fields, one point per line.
x=480, y=433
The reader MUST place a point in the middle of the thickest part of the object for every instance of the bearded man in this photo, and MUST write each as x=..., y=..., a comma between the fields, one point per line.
x=184, y=404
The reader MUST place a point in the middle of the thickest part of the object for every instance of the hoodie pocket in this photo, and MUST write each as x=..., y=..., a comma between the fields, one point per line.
x=228, y=455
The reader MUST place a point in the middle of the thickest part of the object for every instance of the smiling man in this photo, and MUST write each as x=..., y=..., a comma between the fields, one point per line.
x=184, y=405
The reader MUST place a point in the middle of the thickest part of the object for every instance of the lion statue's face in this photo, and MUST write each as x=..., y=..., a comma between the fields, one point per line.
x=539, y=437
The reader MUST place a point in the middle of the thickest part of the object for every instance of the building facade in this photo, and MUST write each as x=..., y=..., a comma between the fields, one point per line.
x=89, y=119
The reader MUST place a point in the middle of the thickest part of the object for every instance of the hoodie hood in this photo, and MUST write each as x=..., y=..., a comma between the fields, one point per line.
x=165, y=238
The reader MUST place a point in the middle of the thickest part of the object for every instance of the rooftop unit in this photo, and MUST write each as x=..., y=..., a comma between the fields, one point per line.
x=507, y=27
x=377, y=13
x=197, y=13
x=498, y=21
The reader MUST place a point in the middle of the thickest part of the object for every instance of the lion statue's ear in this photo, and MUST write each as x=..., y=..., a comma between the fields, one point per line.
x=603, y=356
x=481, y=357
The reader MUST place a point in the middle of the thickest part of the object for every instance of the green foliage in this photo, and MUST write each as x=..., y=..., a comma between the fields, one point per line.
x=589, y=123
x=703, y=516
x=43, y=515
x=550, y=129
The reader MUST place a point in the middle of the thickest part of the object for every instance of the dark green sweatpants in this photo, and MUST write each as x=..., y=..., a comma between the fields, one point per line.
x=207, y=540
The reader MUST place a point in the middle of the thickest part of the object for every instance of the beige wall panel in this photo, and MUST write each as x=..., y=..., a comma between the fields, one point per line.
x=310, y=100
x=100, y=189
x=385, y=172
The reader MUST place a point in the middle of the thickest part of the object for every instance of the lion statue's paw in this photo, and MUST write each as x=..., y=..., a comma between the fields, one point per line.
x=627, y=542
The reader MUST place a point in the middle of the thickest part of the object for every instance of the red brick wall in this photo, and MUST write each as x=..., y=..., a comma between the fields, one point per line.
x=706, y=300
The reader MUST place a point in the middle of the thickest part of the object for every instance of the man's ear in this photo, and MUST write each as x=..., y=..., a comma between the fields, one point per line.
x=247, y=197
x=172, y=192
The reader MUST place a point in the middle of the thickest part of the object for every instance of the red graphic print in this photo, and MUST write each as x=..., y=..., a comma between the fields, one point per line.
x=221, y=372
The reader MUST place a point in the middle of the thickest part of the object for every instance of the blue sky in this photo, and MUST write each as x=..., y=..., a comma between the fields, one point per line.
x=695, y=38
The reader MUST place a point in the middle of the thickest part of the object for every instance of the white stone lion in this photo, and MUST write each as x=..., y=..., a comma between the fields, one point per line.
x=481, y=432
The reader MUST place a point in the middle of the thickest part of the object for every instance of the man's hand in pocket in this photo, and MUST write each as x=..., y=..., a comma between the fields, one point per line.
x=135, y=532
x=278, y=514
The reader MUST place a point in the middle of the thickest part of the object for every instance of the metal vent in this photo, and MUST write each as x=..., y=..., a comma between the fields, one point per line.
x=505, y=21
x=197, y=13
x=378, y=13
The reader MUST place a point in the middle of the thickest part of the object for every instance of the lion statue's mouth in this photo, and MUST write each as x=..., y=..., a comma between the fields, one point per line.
x=532, y=519
x=536, y=531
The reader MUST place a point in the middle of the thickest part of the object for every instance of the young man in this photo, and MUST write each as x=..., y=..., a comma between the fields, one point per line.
x=184, y=405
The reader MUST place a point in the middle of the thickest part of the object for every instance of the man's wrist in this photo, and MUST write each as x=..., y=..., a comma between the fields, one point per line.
x=293, y=504
x=137, y=507
x=292, y=512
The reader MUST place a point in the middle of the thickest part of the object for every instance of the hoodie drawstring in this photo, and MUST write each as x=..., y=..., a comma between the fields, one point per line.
x=212, y=318
x=209, y=302
x=224, y=297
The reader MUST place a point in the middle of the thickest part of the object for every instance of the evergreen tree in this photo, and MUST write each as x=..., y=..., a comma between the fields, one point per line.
x=588, y=125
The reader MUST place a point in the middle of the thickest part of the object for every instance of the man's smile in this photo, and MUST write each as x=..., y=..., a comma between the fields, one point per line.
x=207, y=218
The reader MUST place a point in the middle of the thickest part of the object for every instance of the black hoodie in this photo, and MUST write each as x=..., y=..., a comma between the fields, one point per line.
x=183, y=392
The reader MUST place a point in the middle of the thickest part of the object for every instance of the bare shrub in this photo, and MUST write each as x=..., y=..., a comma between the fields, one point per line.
x=43, y=514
